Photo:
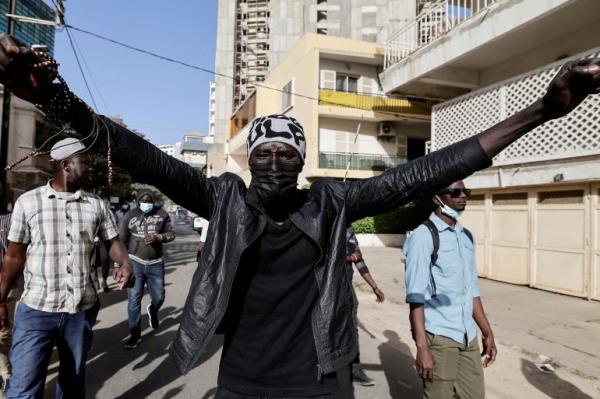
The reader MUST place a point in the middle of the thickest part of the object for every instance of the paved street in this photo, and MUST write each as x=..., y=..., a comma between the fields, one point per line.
x=527, y=323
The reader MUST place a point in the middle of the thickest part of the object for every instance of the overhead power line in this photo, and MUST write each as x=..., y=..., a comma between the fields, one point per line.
x=80, y=67
x=209, y=71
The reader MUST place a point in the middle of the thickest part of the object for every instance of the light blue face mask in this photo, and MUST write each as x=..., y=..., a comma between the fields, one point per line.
x=146, y=207
x=446, y=210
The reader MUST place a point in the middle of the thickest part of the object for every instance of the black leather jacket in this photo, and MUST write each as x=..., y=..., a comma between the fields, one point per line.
x=323, y=213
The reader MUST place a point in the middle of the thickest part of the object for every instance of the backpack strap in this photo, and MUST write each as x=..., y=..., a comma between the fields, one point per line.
x=435, y=236
x=469, y=235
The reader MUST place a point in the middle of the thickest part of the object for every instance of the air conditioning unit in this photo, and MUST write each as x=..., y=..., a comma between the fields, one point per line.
x=386, y=130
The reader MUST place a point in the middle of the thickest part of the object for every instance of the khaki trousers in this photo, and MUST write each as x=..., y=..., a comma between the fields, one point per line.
x=458, y=370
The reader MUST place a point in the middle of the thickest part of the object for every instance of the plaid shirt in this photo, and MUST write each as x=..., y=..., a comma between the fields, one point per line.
x=60, y=228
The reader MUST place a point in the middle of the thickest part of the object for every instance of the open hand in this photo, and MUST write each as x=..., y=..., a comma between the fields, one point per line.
x=124, y=276
x=571, y=85
x=425, y=364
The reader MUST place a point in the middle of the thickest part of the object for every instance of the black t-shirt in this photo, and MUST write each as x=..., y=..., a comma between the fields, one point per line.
x=269, y=345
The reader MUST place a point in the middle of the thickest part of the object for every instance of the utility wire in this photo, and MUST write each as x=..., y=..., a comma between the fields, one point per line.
x=89, y=71
x=80, y=67
x=209, y=71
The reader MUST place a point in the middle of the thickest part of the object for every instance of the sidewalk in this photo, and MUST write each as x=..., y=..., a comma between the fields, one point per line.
x=527, y=323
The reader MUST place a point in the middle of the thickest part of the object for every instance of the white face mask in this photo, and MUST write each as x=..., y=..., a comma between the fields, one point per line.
x=446, y=210
x=146, y=206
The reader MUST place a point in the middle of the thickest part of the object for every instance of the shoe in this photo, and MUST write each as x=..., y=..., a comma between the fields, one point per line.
x=105, y=286
x=152, y=316
x=359, y=376
x=133, y=341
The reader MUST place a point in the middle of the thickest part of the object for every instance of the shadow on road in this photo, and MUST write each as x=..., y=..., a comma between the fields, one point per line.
x=166, y=372
x=397, y=365
x=108, y=357
x=550, y=384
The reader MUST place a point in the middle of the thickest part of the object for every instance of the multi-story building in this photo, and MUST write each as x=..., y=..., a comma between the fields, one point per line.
x=28, y=127
x=30, y=33
x=193, y=150
x=255, y=35
x=349, y=122
x=168, y=149
x=535, y=213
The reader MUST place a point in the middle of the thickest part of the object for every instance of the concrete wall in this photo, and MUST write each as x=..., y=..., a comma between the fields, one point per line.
x=367, y=74
x=381, y=240
x=337, y=135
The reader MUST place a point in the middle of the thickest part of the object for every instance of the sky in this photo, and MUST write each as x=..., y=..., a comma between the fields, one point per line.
x=160, y=99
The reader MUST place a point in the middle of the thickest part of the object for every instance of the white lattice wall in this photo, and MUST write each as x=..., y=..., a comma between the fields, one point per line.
x=577, y=134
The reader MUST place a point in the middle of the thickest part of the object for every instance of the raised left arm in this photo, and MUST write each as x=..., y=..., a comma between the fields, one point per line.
x=398, y=186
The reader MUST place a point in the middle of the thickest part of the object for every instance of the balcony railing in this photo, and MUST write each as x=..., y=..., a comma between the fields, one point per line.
x=575, y=135
x=376, y=103
x=335, y=160
x=434, y=21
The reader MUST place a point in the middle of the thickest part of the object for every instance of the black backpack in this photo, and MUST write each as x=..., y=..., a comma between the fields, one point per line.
x=435, y=235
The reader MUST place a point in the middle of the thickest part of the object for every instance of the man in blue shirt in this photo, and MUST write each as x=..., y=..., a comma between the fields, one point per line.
x=444, y=300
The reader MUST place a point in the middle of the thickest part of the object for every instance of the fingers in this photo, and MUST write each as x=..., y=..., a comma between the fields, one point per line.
x=424, y=370
x=428, y=373
x=490, y=357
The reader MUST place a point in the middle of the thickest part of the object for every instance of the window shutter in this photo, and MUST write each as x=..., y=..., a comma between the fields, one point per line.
x=365, y=85
x=327, y=79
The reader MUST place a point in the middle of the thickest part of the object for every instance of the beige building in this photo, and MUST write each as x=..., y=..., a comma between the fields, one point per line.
x=28, y=129
x=254, y=36
x=535, y=213
x=331, y=86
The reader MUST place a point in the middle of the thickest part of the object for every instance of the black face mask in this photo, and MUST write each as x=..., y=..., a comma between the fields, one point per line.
x=275, y=181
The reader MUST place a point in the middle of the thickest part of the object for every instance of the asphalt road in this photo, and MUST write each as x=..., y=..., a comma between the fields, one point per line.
x=147, y=371
x=528, y=323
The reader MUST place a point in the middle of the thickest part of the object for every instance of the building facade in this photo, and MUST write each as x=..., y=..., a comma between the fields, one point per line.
x=353, y=130
x=30, y=33
x=28, y=127
x=535, y=213
x=254, y=36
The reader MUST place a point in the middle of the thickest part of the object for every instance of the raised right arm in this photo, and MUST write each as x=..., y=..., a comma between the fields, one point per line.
x=24, y=73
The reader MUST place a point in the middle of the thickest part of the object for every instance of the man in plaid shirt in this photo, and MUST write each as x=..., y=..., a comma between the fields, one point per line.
x=51, y=241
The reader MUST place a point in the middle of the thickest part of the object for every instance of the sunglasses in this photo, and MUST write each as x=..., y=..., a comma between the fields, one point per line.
x=455, y=192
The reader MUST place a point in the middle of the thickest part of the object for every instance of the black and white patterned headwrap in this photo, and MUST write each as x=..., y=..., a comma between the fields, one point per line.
x=278, y=128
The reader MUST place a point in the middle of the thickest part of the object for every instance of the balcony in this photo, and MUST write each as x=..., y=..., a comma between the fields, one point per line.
x=575, y=135
x=333, y=160
x=433, y=22
x=455, y=46
x=375, y=103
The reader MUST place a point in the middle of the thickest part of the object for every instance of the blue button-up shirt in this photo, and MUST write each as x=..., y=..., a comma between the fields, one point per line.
x=450, y=312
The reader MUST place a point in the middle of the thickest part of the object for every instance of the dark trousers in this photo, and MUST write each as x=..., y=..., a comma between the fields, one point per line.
x=35, y=334
x=154, y=277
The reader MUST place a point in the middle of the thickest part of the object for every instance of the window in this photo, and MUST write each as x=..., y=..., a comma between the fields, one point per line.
x=509, y=199
x=346, y=83
x=560, y=197
x=287, y=98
